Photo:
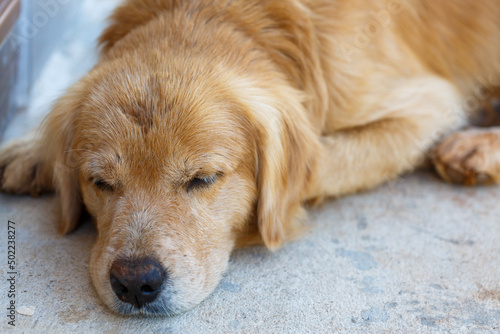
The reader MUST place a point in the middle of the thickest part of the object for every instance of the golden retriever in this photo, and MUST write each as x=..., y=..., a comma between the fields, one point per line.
x=207, y=124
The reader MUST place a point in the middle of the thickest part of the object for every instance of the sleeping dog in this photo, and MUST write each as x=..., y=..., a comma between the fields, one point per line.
x=208, y=124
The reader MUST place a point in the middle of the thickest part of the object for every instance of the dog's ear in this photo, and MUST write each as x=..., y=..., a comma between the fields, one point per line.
x=57, y=133
x=288, y=151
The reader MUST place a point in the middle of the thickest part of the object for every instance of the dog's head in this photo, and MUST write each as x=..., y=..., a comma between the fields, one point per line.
x=177, y=165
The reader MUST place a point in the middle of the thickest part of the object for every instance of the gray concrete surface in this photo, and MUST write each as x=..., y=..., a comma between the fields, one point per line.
x=413, y=256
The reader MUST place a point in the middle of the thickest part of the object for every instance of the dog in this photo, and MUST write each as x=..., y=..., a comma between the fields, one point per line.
x=209, y=125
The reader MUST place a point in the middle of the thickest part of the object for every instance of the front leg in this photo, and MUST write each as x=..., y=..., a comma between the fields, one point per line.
x=23, y=169
x=413, y=117
x=470, y=157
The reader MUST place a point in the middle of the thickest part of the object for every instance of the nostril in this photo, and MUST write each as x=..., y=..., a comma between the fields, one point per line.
x=122, y=288
x=137, y=282
x=119, y=289
x=147, y=288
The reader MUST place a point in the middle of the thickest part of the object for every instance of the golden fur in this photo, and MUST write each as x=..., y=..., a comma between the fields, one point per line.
x=278, y=102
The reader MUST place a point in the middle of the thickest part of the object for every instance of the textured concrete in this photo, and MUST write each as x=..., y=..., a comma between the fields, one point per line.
x=413, y=256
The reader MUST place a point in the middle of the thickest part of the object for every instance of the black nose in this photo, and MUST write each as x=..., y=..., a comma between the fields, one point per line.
x=137, y=282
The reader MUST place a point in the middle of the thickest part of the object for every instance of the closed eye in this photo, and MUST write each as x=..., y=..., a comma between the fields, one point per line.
x=200, y=182
x=102, y=185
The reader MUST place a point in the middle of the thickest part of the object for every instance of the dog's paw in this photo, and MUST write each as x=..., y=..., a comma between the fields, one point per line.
x=470, y=157
x=22, y=170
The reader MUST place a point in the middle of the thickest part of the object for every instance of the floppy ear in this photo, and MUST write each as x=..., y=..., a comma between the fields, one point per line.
x=286, y=169
x=57, y=137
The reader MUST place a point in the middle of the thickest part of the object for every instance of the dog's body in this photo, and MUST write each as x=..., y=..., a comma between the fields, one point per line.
x=208, y=123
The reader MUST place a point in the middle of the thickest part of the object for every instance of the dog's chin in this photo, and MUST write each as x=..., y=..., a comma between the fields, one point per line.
x=159, y=308
x=163, y=306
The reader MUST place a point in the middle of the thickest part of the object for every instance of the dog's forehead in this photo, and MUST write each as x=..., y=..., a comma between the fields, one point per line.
x=149, y=97
x=147, y=119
